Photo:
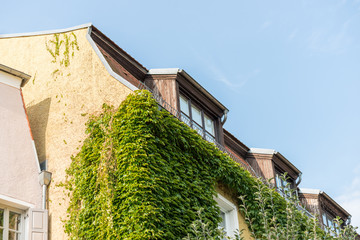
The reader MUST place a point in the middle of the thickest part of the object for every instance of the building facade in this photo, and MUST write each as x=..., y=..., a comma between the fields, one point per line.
x=70, y=74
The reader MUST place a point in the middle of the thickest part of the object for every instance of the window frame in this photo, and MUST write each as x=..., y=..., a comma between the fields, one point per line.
x=281, y=185
x=194, y=124
x=231, y=215
x=7, y=209
x=330, y=224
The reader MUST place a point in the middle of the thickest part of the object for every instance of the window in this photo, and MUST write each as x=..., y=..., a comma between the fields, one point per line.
x=197, y=119
x=283, y=185
x=228, y=214
x=11, y=223
x=328, y=222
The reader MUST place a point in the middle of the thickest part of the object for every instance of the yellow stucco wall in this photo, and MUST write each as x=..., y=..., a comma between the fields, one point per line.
x=226, y=193
x=55, y=106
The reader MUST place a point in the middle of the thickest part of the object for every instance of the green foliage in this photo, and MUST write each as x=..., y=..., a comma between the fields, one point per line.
x=296, y=225
x=61, y=47
x=200, y=231
x=142, y=174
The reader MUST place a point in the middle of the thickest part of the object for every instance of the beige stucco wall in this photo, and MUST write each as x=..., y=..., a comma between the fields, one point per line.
x=19, y=167
x=55, y=106
x=226, y=193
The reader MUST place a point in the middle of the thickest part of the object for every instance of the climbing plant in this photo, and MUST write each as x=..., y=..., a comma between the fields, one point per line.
x=61, y=47
x=142, y=174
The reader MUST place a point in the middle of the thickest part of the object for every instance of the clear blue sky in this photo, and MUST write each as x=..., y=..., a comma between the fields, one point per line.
x=289, y=70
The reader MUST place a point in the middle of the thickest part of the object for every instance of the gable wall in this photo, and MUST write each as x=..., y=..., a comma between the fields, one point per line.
x=56, y=105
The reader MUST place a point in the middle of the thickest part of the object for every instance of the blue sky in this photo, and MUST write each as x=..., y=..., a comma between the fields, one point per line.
x=289, y=71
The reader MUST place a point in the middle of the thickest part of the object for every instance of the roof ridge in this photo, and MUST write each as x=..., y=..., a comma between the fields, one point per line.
x=11, y=35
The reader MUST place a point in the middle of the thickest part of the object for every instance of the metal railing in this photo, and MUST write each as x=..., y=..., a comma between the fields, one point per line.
x=187, y=121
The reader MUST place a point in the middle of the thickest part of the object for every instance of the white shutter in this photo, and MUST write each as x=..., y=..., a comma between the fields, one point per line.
x=38, y=224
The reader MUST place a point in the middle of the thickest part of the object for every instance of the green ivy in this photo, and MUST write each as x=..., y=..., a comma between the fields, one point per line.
x=143, y=174
x=61, y=47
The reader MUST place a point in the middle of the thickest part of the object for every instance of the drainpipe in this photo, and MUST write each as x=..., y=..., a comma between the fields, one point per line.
x=44, y=179
x=298, y=179
x=225, y=117
x=348, y=220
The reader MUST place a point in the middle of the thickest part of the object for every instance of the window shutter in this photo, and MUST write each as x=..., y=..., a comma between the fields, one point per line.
x=38, y=224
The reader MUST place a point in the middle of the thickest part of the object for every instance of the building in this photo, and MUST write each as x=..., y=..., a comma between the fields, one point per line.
x=70, y=73
x=323, y=207
x=73, y=72
x=21, y=201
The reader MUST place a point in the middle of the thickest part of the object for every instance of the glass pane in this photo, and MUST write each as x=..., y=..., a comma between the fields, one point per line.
x=278, y=182
x=1, y=234
x=184, y=105
x=196, y=114
x=14, y=236
x=1, y=217
x=222, y=223
x=209, y=125
x=14, y=221
x=324, y=219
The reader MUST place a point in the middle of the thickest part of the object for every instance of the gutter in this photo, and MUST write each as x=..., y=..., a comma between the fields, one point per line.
x=225, y=117
x=298, y=180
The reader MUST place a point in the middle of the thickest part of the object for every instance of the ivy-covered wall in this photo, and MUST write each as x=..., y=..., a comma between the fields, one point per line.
x=142, y=174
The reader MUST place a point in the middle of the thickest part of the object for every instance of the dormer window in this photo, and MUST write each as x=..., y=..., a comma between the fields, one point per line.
x=329, y=223
x=283, y=185
x=197, y=119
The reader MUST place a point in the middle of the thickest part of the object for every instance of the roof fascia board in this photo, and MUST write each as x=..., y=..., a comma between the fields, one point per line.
x=287, y=162
x=86, y=25
x=327, y=197
x=164, y=71
x=203, y=90
x=234, y=143
x=121, y=52
x=262, y=151
x=105, y=63
x=309, y=191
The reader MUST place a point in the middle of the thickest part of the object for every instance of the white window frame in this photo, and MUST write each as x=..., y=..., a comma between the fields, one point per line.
x=7, y=210
x=18, y=206
x=231, y=215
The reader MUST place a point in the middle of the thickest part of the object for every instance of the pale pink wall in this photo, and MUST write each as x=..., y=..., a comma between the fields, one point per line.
x=18, y=163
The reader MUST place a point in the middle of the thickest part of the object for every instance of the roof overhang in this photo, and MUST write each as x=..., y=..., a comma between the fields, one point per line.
x=325, y=196
x=175, y=71
x=23, y=77
x=279, y=158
